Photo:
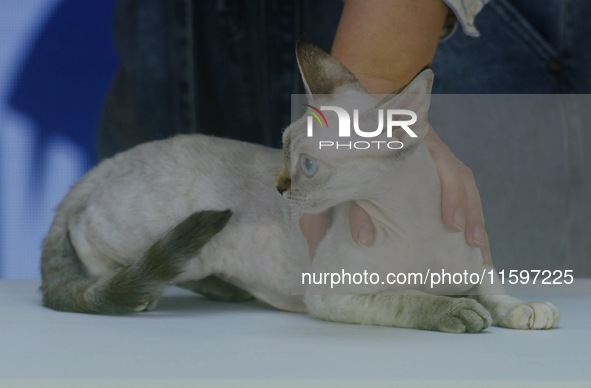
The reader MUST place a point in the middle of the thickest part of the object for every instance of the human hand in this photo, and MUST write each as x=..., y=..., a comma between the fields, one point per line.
x=384, y=47
x=461, y=209
x=315, y=226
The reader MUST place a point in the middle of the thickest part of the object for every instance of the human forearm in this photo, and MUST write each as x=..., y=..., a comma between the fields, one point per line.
x=385, y=43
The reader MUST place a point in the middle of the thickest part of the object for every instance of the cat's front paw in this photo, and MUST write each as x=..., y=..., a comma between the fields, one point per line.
x=464, y=315
x=532, y=316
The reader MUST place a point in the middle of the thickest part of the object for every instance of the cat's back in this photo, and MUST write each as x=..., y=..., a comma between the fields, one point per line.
x=188, y=154
x=123, y=205
x=181, y=169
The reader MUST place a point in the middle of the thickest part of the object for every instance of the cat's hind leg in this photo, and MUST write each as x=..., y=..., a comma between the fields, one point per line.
x=167, y=257
x=68, y=287
x=214, y=288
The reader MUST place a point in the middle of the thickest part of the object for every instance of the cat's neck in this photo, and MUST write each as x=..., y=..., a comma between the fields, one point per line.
x=408, y=196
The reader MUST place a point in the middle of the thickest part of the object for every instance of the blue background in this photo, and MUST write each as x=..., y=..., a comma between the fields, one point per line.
x=57, y=59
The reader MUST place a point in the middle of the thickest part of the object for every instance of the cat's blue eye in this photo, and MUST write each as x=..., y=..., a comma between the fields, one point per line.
x=308, y=165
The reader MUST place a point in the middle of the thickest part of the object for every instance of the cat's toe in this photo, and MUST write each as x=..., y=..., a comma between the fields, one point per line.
x=465, y=315
x=475, y=321
x=555, y=315
x=141, y=307
x=532, y=316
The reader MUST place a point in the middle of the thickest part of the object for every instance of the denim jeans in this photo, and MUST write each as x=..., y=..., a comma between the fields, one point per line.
x=227, y=67
x=525, y=46
x=223, y=67
x=535, y=180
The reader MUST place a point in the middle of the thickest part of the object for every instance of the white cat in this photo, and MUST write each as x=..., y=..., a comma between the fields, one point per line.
x=203, y=213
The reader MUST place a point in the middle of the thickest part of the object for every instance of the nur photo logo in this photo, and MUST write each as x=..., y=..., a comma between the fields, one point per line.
x=388, y=119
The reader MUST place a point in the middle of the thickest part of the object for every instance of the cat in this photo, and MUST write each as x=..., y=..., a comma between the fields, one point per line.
x=217, y=216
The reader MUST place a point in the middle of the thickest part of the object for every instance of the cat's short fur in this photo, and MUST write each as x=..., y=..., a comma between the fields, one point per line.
x=203, y=213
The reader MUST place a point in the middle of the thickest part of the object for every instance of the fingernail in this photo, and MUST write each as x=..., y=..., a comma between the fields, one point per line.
x=487, y=258
x=365, y=237
x=460, y=220
x=479, y=235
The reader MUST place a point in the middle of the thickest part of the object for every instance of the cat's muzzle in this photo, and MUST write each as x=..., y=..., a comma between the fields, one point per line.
x=283, y=182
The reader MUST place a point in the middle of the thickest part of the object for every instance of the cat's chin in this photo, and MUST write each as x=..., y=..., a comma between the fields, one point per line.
x=314, y=208
x=303, y=208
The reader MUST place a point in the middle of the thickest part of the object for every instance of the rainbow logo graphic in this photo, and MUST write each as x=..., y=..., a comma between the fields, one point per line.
x=317, y=113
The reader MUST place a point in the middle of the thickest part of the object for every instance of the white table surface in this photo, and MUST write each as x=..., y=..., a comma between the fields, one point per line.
x=190, y=340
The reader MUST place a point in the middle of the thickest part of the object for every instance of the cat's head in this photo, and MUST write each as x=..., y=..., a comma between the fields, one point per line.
x=322, y=165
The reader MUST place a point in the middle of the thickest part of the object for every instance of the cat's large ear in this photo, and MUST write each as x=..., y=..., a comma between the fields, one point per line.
x=416, y=96
x=321, y=73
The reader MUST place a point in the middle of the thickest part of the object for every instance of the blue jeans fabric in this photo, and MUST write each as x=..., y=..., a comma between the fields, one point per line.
x=525, y=47
x=223, y=67
x=535, y=183
x=227, y=67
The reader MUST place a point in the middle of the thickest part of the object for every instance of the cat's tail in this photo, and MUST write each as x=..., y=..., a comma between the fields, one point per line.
x=67, y=286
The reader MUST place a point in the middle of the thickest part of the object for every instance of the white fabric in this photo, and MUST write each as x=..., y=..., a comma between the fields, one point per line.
x=465, y=12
